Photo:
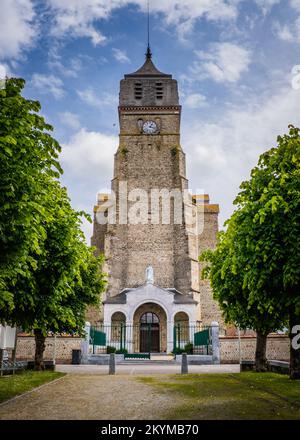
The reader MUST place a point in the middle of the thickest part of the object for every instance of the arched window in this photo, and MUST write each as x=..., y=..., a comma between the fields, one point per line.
x=181, y=318
x=149, y=318
x=181, y=321
x=118, y=320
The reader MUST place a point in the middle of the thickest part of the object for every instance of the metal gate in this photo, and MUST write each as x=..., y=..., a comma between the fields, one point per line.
x=125, y=339
x=191, y=339
x=149, y=338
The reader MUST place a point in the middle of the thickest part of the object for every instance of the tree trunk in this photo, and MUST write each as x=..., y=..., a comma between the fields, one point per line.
x=260, y=352
x=294, y=346
x=39, y=350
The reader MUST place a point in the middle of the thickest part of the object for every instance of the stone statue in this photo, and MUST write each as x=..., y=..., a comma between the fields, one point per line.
x=149, y=275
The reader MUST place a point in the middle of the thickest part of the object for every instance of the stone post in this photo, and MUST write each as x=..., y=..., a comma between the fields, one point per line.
x=129, y=328
x=170, y=336
x=184, y=364
x=112, y=364
x=215, y=342
x=85, y=345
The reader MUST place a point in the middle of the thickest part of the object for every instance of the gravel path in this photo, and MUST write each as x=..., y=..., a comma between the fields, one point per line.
x=89, y=397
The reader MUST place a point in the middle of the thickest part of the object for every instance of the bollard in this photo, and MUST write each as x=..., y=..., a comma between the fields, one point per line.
x=184, y=364
x=112, y=364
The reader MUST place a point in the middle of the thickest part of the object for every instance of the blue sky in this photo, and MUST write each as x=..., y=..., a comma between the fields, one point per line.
x=233, y=60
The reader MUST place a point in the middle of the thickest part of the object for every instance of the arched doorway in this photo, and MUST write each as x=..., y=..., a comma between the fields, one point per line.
x=150, y=329
x=149, y=333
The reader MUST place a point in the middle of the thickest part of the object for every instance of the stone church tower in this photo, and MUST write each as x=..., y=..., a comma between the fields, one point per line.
x=152, y=261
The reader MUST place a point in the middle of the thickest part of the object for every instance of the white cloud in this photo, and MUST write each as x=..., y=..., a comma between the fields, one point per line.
x=48, y=84
x=283, y=32
x=17, y=27
x=267, y=5
x=78, y=18
x=184, y=10
x=120, y=55
x=225, y=62
x=4, y=70
x=295, y=4
x=104, y=100
x=55, y=63
x=96, y=148
x=87, y=160
x=290, y=32
x=224, y=151
x=70, y=119
x=195, y=100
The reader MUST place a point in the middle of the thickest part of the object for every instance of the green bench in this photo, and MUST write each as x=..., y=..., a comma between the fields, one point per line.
x=137, y=356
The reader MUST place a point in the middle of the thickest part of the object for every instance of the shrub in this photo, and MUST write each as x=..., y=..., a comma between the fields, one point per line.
x=188, y=348
x=122, y=351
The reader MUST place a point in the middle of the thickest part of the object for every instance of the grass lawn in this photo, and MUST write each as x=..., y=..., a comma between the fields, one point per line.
x=19, y=383
x=251, y=396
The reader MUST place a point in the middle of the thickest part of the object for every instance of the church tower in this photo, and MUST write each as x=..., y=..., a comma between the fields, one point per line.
x=149, y=166
x=150, y=157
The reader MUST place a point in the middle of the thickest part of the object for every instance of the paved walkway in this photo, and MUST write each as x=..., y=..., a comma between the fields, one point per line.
x=91, y=397
x=88, y=393
x=146, y=370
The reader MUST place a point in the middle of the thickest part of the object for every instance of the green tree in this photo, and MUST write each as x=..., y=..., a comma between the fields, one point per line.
x=28, y=155
x=226, y=270
x=48, y=275
x=263, y=239
x=66, y=280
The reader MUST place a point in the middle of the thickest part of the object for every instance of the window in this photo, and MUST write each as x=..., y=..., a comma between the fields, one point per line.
x=138, y=90
x=149, y=318
x=159, y=90
x=118, y=320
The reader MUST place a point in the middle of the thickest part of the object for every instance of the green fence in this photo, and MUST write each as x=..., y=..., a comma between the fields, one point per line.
x=191, y=339
x=125, y=339
x=144, y=338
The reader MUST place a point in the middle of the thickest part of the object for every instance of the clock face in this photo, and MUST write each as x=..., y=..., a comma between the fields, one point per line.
x=149, y=127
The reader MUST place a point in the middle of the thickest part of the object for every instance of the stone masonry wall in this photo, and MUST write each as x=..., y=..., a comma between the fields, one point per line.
x=207, y=239
x=147, y=162
x=63, y=348
x=277, y=348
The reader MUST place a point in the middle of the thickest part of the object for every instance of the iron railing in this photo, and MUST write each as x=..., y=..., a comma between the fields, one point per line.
x=145, y=338
x=122, y=338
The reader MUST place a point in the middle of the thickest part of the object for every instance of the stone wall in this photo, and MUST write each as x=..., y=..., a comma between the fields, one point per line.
x=63, y=348
x=148, y=162
x=207, y=239
x=277, y=348
x=154, y=162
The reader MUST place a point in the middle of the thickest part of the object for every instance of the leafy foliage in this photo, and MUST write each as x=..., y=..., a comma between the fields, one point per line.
x=48, y=275
x=28, y=158
x=255, y=269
